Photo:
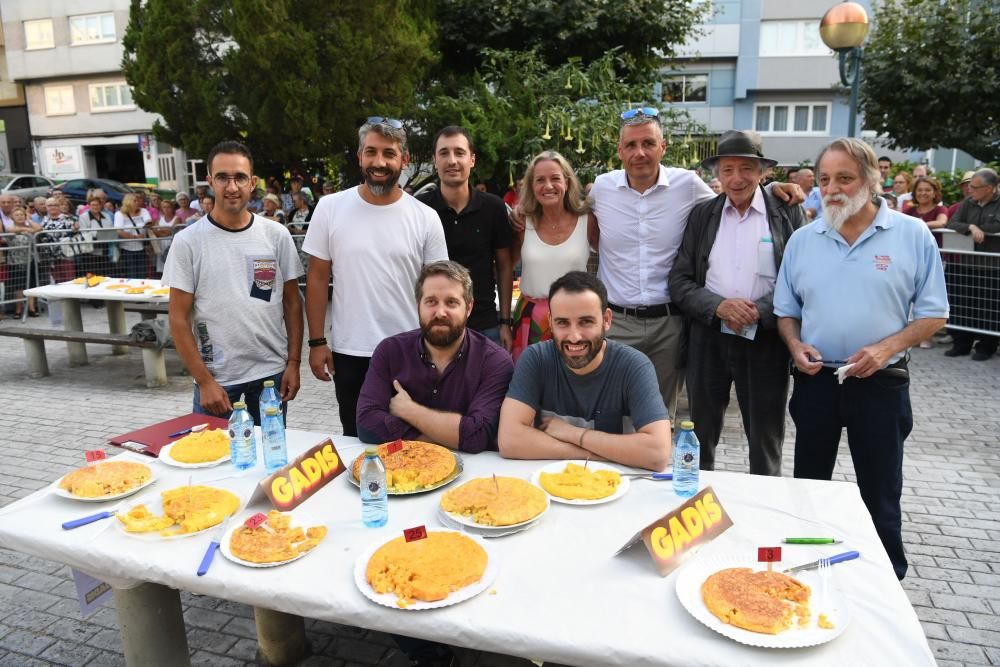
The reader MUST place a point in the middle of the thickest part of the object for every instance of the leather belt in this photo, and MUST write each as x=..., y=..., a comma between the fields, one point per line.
x=899, y=369
x=645, y=312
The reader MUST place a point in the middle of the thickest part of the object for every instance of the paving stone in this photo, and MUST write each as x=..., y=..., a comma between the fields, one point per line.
x=210, y=620
x=70, y=654
x=105, y=659
x=975, y=636
x=953, y=650
x=25, y=641
x=946, y=616
x=242, y=627
x=984, y=621
x=207, y=640
x=243, y=649
x=19, y=660
x=212, y=660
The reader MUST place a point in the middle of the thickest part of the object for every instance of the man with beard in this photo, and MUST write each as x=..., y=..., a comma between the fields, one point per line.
x=580, y=395
x=476, y=230
x=845, y=291
x=373, y=240
x=442, y=382
x=235, y=307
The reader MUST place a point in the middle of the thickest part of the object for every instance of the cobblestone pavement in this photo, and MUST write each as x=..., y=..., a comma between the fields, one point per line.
x=951, y=526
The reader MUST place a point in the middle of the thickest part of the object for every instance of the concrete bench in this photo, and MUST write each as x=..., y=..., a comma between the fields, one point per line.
x=153, y=358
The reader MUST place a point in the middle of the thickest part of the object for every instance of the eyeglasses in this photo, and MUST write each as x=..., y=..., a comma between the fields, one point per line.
x=649, y=112
x=382, y=120
x=222, y=180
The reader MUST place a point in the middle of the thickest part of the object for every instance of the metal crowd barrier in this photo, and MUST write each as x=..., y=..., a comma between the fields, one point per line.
x=972, y=278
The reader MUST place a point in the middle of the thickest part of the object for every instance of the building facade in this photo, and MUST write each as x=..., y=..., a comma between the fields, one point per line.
x=84, y=124
x=761, y=65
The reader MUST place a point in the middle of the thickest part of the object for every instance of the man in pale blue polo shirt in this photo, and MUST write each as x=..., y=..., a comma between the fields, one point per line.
x=843, y=298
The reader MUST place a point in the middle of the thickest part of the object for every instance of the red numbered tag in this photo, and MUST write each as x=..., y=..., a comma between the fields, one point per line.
x=94, y=455
x=394, y=447
x=768, y=554
x=414, y=534
x=255, y=521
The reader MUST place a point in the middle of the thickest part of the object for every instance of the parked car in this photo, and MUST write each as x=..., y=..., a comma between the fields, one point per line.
x=25, y=186
x=76, y=189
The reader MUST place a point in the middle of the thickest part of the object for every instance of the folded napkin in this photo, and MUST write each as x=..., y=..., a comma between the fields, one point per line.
x=842, y=372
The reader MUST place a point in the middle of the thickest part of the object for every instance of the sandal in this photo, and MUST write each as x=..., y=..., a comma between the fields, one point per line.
x=32, y=313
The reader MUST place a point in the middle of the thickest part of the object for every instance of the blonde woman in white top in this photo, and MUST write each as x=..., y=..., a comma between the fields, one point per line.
x=554, y=242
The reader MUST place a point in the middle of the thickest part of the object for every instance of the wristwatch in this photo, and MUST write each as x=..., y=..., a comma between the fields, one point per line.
x=316, y=342
x=509, y=321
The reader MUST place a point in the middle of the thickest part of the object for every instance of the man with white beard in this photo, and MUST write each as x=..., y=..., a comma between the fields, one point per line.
x=843, y=298
x=374, y=241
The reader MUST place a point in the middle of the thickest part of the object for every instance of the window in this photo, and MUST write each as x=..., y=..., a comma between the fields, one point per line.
x=792, y=118
x=791, y=38
x=59, y=101
x=110, y=97
x=91, y=29
x=38, y=34
x=685, y=88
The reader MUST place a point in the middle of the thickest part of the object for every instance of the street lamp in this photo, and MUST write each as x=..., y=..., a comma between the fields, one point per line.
x=843, y=28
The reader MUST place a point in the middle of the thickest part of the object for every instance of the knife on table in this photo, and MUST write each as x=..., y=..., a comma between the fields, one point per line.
x=83, y=521
x=206, y=561
x=832, y=560
x=649, y=475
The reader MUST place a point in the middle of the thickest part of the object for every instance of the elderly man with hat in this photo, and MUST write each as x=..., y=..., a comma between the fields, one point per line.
x=965, y=185
x=723, y=281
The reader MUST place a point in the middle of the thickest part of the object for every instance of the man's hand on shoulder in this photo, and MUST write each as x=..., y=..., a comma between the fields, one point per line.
x=790, y=193
x=516, y=218
x=321, y=363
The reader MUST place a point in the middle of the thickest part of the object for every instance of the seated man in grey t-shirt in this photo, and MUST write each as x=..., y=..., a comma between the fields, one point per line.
x=579, y=395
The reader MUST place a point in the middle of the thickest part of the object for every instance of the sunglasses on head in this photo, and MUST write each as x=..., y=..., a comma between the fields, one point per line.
x=382, y=120
x=640, y=111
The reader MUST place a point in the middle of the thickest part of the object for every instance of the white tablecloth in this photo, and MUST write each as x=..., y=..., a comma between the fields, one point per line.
x=560, y=594
x=68, y=290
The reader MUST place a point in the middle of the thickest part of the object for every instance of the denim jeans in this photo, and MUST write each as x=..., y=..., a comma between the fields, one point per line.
x=252, y=391
x=493, y=333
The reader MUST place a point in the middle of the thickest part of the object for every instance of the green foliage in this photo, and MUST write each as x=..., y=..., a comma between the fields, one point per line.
x=517, y=106
x=931, y=75
x=292, y=78
x=645, y=30
x=949, y=180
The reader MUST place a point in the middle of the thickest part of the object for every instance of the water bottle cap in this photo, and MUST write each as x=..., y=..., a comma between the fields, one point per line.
x=687, y=425
x=371, y=451
x=271, y=411
x=268, y=384
x=239, y=405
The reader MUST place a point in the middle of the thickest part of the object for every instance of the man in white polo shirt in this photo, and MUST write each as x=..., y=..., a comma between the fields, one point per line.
x=641, y=213
x=374, y=240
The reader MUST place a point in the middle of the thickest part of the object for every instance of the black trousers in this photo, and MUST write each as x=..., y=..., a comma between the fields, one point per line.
x=877, y=414
x=759, y=369
x=349, y=375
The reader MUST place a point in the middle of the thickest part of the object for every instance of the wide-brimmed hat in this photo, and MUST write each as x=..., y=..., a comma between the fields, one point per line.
x=739, y=143
x=270, y=196
x=966, y=177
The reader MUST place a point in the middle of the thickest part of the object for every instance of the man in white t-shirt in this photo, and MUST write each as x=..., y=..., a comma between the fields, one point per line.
x=235, y=306
x=374, y=241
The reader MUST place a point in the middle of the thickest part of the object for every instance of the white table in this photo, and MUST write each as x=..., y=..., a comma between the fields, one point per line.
x=560, y=594
x=72, y=295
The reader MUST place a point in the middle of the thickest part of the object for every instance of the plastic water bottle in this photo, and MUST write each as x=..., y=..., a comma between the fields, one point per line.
x=374, y=501
x=242, y=442
x=687, y=458
x=275, y=450
x=269, y=399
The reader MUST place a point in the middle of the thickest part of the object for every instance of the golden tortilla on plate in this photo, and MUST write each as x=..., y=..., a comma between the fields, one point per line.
x=502, y=503
x=428, y=569
x=106, y=478
x=201, y=447
x=191, y=508
x=576, y=482
x=281, y=543
x=417, y=465
x=765, y=602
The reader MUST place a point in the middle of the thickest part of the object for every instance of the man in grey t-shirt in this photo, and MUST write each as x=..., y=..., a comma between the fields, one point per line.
x=580, y=395
x=235, y=305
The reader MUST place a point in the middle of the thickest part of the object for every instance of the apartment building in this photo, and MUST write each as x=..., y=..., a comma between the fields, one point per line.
x=15, y=138
x=761, y=65
x=84, y=124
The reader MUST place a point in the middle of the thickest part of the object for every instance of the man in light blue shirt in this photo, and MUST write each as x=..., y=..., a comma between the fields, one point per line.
x=843, y=299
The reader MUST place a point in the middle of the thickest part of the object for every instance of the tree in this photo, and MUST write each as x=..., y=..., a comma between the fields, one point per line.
x=645, y=30
x=292, y=78
x=931, y=75
x=517, y=106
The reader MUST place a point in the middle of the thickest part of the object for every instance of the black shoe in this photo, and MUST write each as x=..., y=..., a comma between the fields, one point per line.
x=981, y=356
x=32, y=313
x=957, y=352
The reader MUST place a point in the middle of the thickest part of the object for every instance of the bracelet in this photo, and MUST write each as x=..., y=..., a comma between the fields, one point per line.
x=316, y=342
x=585, y=432
x=509, y=321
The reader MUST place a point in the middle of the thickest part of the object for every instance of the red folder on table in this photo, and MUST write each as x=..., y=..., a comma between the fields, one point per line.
x=151, y=439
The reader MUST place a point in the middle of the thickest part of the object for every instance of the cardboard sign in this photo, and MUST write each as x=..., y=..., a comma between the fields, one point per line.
x=768, y=554
x=696, y=522
x=414, y=534
x=255, y=521
x=394, y=447
x=90, y=592
x=292, y=485
x=94, y=455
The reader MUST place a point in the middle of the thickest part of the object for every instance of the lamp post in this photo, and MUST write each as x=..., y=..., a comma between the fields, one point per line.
x=843, y=28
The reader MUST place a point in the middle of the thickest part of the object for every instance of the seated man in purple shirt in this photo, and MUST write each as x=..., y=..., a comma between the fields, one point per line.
x=440, y=383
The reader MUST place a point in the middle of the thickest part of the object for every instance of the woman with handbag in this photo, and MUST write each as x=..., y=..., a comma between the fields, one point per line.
x=19, y=273
x=131, y=222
